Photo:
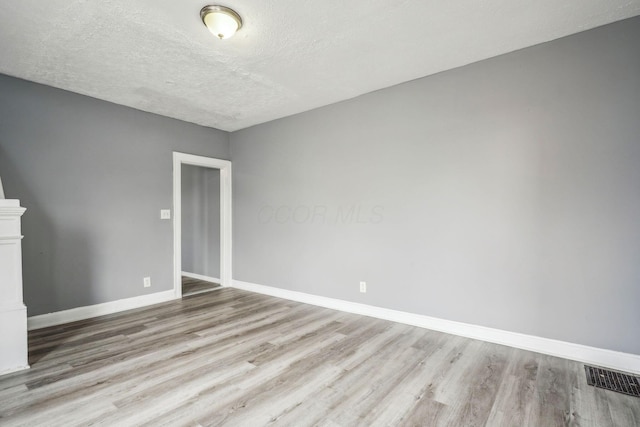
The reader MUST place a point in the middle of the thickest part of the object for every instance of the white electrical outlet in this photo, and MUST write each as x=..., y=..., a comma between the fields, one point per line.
x=147, y=282
x=165, y=213
x=363, y=287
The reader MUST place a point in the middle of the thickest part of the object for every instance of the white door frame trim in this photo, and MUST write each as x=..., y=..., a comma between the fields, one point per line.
x=225, y=215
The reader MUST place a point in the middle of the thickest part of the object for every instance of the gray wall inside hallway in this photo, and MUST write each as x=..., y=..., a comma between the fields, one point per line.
x=93, y=176
x=504, y=194
x=201, y=220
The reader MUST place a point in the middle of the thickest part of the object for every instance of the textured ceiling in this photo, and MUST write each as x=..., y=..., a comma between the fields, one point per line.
x=290, y=55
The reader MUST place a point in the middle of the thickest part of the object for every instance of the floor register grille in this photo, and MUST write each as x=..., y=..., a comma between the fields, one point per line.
x=612, y=380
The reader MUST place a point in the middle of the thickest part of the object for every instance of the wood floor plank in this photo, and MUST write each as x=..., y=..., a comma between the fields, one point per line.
x=483, y=379
x=235, y=358
x=552, y=398
x=513, y=401
x=409, y=397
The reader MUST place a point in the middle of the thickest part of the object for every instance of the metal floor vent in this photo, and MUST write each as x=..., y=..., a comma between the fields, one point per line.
x=612, y=380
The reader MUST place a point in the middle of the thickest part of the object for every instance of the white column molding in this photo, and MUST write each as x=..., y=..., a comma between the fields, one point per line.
x=13, y=313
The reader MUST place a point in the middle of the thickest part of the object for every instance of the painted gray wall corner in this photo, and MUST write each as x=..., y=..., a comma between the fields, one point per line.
x=93, y=177
x=503, y=194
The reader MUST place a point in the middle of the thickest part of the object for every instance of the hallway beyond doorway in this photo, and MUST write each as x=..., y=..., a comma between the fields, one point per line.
x=191, y=286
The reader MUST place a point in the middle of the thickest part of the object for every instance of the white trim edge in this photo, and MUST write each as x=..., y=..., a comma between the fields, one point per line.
x=12, y=370
x=89, y=311
x=226, y=251
x=202, y=277
x=592, y=355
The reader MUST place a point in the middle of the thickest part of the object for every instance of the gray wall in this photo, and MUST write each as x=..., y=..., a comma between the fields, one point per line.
x=93, y=176
x=505, y=194
x=201, y=220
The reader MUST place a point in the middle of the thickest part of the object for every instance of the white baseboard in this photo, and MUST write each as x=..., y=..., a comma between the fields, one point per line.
x=581, y=353
x=201, y=277
x=87, y=312
x=12, y=370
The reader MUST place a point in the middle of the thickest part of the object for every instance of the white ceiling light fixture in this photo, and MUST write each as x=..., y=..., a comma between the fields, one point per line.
x=221, y=21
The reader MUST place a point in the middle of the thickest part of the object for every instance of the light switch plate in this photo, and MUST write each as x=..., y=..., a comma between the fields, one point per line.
x=165, y=213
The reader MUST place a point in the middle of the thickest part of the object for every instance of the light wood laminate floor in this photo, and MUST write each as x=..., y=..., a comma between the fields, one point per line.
x=240, y=359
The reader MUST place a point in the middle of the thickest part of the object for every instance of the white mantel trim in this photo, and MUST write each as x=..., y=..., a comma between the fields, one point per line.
x=5, y=211
x=11, y=207
x=13, y=313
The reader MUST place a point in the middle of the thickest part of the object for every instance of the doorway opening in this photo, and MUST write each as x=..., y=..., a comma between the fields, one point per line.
x=201, y=223
x=200, y=229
